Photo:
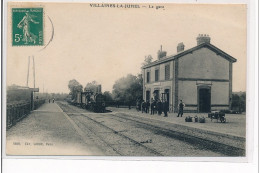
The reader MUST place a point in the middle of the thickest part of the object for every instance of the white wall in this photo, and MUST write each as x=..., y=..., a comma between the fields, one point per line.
x=220, y=93
x=188, y=92
x=203, y=64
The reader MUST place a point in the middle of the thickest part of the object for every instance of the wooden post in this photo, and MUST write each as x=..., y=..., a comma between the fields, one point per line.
x=28, y=71
x=33, y=73
x=33, y=82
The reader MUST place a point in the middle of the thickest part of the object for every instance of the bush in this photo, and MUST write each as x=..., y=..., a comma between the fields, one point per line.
x=17, y=94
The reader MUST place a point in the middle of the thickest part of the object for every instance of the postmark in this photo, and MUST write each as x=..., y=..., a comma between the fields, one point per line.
x=27, y=27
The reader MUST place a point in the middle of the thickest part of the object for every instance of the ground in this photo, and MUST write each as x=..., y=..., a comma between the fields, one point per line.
x=235, y=123
x=51, y=131
x=46, y=131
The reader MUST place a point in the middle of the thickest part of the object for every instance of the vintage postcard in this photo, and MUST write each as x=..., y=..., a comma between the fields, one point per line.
x=147, y=80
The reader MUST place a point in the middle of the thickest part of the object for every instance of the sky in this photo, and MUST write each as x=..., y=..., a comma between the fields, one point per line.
x=105, y=44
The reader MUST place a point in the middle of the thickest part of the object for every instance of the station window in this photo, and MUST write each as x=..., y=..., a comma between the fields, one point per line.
x=148, y=77
x=167, y=72
x=157, y=75
x=156, y=94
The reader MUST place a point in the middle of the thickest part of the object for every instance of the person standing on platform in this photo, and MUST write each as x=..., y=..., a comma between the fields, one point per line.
x=129, y=104
x=147, y=106
x=159, y=107
x=140, y=105
x=153, y=105
x=165, y=108
x=181, y=106
x=143, y=106
x=137, y=105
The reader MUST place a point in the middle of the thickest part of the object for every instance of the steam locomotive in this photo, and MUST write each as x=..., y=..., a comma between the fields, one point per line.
x=93, y=101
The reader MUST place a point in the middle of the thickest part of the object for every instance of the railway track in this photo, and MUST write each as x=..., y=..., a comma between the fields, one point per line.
x=109, y=131
x=135, y=147
x=173, y=132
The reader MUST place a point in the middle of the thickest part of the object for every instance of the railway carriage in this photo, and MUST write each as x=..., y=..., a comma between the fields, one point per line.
x=99, y=104
x=94, y=101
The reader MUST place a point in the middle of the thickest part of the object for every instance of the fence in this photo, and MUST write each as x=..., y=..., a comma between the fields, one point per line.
x=17, y=111
x=38, y=103
x=120, y=104
x=132, y=105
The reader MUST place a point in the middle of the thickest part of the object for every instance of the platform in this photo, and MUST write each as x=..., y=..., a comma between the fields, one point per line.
x=47, y=131
x=235, y=123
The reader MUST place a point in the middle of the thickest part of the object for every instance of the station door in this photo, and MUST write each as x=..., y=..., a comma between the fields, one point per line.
x=204, y=100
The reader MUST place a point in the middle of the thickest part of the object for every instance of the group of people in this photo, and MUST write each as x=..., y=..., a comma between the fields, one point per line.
x=53, y=100
x=158, y=106
x=155, y=107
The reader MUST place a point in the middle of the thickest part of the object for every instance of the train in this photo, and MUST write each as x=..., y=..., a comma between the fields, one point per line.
x=93, y=101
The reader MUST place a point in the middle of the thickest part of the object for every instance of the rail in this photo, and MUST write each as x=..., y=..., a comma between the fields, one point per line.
x=15, y=112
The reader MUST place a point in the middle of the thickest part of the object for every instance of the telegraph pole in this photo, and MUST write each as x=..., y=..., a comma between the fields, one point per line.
x=33, y=90
x=28, y=71
x=33, y=73
x=33, y=81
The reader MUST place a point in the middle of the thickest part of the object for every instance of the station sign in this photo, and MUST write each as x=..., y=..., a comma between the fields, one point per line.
x=34, y=89
x=157, y=84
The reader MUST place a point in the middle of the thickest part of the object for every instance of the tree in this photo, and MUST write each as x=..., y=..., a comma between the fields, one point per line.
x=147, y=60
x=108, y=96
x=128, y=89
x=239, y=102
x=56, y=96
x=74, y=87
x=91, y=86
x=243, y=102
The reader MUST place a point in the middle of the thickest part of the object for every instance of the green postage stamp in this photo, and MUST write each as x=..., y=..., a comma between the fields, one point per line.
x=27, y=26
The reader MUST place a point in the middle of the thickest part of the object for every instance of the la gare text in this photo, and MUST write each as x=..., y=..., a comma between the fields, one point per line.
x=126, y=6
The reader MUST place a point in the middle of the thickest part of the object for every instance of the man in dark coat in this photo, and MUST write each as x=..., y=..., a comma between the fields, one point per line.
x=159, y=107
x=138, y=105
x=129, y=104
x=143, y=106
x=165, y=108
x=153, y=106
x=181, y=106
x=147, y=106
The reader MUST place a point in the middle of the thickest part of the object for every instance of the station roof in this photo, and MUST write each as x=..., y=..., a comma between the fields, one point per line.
x=185, y=52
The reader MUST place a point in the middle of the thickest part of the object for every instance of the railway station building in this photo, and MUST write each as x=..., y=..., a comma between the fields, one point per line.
x=200, y=76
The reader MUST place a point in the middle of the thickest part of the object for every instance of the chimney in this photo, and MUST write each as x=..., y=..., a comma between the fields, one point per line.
x=180, y=47
x=203, y=39
x=161, y=53
x=99, y=89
